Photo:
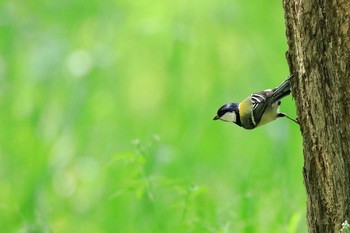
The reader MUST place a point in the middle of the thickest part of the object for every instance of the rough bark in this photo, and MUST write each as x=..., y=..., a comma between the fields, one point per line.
x=318, y=35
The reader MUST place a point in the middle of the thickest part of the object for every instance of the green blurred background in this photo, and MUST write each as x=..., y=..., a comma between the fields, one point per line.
x=106, y=118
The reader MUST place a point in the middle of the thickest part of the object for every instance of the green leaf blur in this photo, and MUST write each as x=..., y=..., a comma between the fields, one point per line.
x=106, y=118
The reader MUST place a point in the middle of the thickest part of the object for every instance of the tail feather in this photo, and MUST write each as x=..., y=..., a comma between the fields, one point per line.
x=282, y=90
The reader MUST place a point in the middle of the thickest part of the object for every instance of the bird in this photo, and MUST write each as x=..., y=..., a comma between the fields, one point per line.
x=257, y=109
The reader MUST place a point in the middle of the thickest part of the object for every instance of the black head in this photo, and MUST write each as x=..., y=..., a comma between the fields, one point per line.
x=228, y=112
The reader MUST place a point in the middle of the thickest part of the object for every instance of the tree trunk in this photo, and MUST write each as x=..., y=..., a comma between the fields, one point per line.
x=318, y=34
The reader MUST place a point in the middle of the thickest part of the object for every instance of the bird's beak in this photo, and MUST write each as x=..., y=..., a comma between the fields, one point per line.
x=216, y=118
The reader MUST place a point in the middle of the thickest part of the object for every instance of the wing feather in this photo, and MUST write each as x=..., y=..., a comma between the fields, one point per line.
x=260, y=101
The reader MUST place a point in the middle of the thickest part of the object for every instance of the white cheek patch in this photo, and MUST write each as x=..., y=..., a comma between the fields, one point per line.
x=229, y=116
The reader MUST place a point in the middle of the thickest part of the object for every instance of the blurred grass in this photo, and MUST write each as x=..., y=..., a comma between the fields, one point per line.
x=106, y=118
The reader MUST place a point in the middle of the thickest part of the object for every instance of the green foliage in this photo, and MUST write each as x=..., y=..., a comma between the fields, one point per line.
x=106, y=118
x=345, y=227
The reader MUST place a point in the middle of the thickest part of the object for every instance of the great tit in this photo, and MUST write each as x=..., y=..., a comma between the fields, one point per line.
x=257, y=109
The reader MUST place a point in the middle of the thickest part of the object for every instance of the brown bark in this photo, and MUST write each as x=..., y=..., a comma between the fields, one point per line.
x=318, y=35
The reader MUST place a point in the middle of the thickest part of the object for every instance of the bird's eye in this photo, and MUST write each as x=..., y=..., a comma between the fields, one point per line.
x=226, y=109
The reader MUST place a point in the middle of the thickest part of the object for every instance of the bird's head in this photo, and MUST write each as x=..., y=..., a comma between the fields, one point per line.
x=228, y=112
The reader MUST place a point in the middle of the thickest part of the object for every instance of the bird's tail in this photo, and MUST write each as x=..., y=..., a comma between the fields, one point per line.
x=282, y=90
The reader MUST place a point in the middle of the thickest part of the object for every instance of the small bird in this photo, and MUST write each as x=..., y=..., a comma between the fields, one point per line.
x=257, y=109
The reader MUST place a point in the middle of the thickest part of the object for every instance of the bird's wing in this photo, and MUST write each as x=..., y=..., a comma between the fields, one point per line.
x=260, y=100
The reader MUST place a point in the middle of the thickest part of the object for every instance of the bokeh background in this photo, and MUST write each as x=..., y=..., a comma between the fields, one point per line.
x=106, y=114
